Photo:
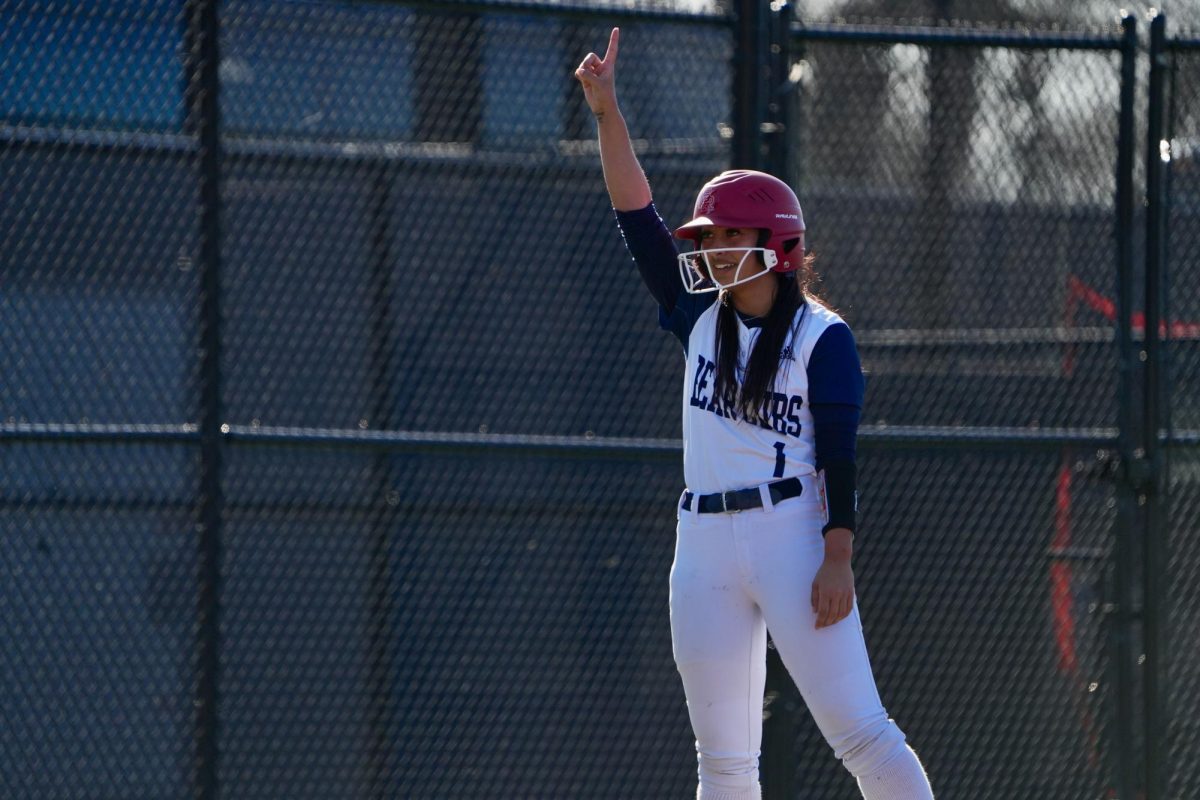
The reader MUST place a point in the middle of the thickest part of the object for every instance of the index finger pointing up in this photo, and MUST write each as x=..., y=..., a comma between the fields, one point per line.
x=610, y=55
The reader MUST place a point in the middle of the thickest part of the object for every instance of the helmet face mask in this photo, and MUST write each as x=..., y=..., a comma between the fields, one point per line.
x=699, y=268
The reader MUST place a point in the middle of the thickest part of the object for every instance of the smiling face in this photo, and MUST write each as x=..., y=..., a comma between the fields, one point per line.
x=725, y=257
x=725, y=264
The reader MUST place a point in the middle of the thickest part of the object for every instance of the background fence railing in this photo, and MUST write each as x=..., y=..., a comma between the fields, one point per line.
x=340, y=446
x=1172, y=561
x=954, y=212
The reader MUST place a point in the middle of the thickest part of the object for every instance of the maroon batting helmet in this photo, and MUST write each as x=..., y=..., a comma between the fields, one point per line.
x=743, y=198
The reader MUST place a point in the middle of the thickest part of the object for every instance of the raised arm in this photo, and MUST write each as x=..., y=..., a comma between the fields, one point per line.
x=627, y=185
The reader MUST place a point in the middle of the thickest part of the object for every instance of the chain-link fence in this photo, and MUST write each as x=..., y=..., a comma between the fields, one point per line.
x=1182, y=329
x=99, y=320
x=374, y=498
x=1076, y=15
x=1036, y=14
x=957, y=209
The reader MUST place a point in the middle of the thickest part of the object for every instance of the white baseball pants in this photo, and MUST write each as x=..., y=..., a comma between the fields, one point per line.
x=734, y=576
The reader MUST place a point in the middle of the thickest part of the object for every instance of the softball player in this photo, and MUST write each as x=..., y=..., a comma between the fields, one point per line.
x=772, y=396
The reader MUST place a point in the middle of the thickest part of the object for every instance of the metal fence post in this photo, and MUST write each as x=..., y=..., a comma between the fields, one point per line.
x=204, y=111
x=950, y=118
x=1154, y=542
x=750, y=66
x=1122, y=613
x=760, y=142
x=779, y=95
x=384, y=369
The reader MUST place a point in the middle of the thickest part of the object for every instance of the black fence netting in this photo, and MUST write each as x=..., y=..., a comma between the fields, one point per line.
x=414, y=237
x=961, y=208
x=435, y=529
x=97, y=600
x=434, y=214
x=990, y=651
x=493, y=627
x=1082, y=15
x=93, y=218
x=1182, y=330
x=1020, y=14
x=99, y=300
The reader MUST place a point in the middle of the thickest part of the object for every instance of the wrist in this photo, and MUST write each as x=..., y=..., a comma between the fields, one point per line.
x=606, y=112
x=839, y=544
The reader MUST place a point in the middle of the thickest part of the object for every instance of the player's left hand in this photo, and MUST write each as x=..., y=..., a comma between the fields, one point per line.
x=833, y=587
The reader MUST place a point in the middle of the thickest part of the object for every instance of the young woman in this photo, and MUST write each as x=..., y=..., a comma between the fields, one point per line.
x=772, y=397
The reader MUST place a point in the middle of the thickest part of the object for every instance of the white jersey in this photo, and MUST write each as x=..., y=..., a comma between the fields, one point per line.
x=722, y=453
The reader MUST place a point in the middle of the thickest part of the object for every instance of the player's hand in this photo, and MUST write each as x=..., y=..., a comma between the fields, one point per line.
x=833, y=588
x=599, y=77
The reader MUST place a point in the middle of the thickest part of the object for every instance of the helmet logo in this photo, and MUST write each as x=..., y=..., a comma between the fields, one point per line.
x=708, y=204
x=787, y=216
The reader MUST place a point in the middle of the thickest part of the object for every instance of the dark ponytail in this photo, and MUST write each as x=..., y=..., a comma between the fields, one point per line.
x=762, y=370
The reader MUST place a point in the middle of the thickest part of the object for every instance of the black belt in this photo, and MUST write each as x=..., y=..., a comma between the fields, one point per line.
x=743, y=499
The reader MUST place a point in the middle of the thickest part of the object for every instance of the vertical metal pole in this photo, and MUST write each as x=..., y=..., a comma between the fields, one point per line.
x=951, y=93
x=1123, y=614
x=1154, y=553
x=781, y=705
x=782, y=702
x=379, y=590
x=794, y=118
x=775, y=131
x=750, y=67
x=204, y=113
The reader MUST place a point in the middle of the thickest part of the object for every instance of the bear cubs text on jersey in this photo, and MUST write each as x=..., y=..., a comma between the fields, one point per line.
x=779, y=413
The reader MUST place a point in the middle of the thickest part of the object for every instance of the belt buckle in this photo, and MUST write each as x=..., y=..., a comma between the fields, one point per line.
x=725, y=503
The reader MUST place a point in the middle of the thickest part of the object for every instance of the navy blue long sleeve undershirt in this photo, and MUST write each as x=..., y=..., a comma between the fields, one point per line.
x=834, y=371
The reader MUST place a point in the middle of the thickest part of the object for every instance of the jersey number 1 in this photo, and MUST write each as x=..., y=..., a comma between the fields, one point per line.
x=779, y=460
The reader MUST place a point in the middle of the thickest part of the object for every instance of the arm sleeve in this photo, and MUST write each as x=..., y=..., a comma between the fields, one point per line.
x=653, y=249
x=836, y=389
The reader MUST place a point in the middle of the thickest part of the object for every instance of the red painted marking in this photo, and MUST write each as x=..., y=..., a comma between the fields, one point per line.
x=1107, y=308
x=1061, y=599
